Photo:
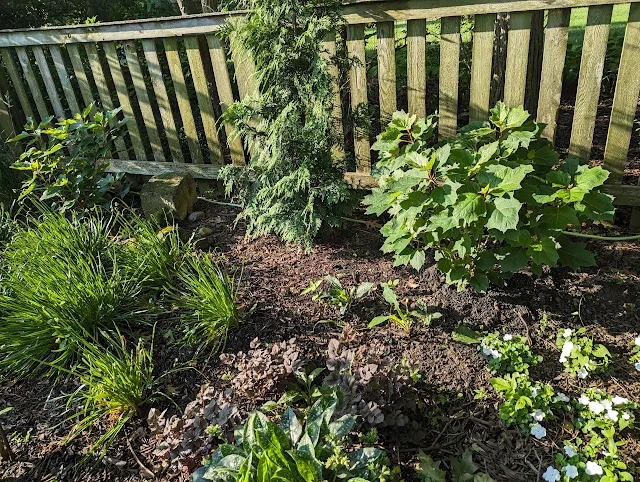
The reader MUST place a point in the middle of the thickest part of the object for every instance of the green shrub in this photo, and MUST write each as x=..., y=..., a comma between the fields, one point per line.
x=489, y=202
x=315, y=449
x=67, y=163
x=210, y=294
x=291, y=186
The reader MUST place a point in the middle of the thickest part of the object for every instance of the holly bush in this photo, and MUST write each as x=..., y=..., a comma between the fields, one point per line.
x=493, y=200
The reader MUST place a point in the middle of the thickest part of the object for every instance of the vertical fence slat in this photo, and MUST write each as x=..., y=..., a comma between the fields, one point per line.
x=65, y=80
x=554, y=52
x=594, y=49
x=449, y=77
x=515, y=81
x=122, y=92
x=481, y=63
x=225, y=94
x=204, y=99
x=416, y=67
x=180, y=87
x=18, y=86
x=387, y=71
x=358, y=83
x=245, y=69
x=329, y=54
x=625, y=100
x=80, y=74
x=49, y=84
x=30, y=77
x=130, y=51
x=162, y=98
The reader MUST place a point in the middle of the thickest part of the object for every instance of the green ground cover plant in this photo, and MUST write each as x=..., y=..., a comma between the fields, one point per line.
x=489, y=202
x=580, y=356
x=402, y=314
x=337, y=295
x=508, y=353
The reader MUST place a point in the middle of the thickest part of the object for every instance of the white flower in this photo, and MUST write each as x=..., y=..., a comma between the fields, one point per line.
x=538, y=431
x=637, y=340
x=625, y=416
x=566, y=348
x=538, y=415
x=596, y=407
x=593, y=469
x=567, y=333
x=562, y=397
x=583, y=400
x=534, y=392
x=607, y=404
x=495, y=354
x=605, y=453
x=570, y=471
x=569, y=451
x=562, y=359
x=486, y=350
x=583, y=373
x=612, y=415
x=507, y=337
x=619, y=400
x=637, y=365
x=551, y=475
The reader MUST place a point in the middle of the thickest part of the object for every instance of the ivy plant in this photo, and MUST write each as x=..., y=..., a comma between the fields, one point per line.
x=67, y=160
x=489, y=202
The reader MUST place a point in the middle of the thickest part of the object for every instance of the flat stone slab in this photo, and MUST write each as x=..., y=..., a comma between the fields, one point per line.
x=171, y=193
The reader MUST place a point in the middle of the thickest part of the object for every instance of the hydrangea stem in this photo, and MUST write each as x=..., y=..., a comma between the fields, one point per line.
x=602, y=238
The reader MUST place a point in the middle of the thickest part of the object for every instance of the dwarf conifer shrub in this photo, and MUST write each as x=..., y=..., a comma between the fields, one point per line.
x=489, y=202
x=292, y=185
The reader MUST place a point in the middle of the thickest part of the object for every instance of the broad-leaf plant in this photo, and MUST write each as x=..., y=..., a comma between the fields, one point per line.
x=493, y=200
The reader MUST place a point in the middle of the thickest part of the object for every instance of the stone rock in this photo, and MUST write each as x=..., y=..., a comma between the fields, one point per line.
x=204, y=232
x=196, y=216
x=171, y=193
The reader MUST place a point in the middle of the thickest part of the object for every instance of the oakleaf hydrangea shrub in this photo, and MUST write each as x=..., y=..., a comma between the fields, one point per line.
x=489, y=202
x=508, y=353
x=316, y=445
x=528, y=404
x=580, y=356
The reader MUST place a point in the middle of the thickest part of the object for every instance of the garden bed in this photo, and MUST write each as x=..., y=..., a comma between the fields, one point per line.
x=460, y=406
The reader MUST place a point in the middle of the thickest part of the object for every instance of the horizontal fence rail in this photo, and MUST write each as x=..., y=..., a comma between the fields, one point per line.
x=175, y=78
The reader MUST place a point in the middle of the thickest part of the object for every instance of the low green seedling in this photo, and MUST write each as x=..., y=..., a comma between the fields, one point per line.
x=337, y=295
x=580, y=356
x=402, y=315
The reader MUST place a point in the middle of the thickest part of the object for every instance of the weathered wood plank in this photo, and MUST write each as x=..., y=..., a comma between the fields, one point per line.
x=162, y=98
x=481, y=63
x=49, y=84
x=30, y=77
x=98, y=76
x=625, y=100
x=17, y=82
x=358, y=83
x=225, y=94
x=387, y=71
x=515, y=81
x=416, y=67
x=65, y=80
x=594, y=49
x=554, y=52
x=403, y=10
x=329, y=53
x=204, y=99
x=111, y=54
x=80, y=74
x=449, y=77
x=137, y=77
x=151, y=168
x=182, y=96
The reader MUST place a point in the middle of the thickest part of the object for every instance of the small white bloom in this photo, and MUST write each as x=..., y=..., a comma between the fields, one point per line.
x=538, y=431
x=583, y=400
x=538, y=415
x=562, y=359
x=593, y=469
x=612, y=415
x=507, y=337
x=551, y=474
x=619, y=400
x=570, y=471
x=607, y=404
x=605, y=453
x=569, y=451
x=583, y=373
x=596, y=407
x=625, y=416
x=637, y=340
x=534, y=392
x=495, y=354
x=562, y=397
x=486, y=350
x=567, y=333
x=566, y=348
x=637, y=365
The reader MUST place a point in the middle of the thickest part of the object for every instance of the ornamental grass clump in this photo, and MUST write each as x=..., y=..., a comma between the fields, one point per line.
x=491, y=201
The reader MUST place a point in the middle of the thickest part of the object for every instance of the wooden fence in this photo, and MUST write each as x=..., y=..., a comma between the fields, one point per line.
x=183, y=63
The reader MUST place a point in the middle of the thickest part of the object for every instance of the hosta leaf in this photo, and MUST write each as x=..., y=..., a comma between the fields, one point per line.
x=469, y=208
x=559, y=217
x=505, y=214
x=575, y=255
